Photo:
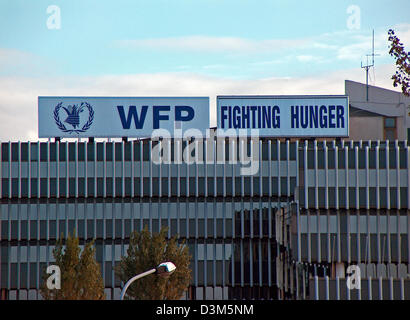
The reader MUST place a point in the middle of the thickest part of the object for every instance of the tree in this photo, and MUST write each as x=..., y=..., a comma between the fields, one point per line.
x=402, y=75
x=80, y=274
x=147, y=251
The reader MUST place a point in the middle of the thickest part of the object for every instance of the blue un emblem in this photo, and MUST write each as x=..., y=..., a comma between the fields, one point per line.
x=74, y=117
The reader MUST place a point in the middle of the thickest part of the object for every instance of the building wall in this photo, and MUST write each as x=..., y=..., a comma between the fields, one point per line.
x=366, y=128
x=382, y=102
x=304, y=211
x=231, y=243
x=372, y=128
x=401, y=129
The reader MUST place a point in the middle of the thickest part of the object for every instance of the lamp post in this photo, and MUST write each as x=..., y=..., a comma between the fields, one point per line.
x=164, y=269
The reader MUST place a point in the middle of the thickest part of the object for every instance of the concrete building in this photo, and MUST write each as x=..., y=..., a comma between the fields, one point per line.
x=377, y=113
x=288, y=232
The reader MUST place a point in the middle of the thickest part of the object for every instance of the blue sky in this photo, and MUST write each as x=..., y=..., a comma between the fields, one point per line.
x=187, y=47
x=107, y=37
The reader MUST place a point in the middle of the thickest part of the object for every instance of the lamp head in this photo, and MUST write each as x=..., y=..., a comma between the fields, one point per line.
x=165, y=269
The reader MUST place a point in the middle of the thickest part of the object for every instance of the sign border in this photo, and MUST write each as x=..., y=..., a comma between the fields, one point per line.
x=221, y=97
x=111, y=97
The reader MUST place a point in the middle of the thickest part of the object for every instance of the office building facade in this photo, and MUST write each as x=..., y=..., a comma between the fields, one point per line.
x=290, y=231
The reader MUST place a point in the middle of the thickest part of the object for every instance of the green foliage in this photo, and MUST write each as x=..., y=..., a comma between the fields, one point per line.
x=402, y=75
x=80, y=274
x=147, y=251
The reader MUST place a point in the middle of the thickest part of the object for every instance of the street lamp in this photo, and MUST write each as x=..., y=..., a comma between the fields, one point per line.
x=164, y=269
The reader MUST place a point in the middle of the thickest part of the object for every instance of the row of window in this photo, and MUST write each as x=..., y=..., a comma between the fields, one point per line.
x=255, y=186
x=194, y=293
x=201, y=249
x=369, y=290
x=101, y=187
x=243, y=263
x=349, y=162
x=113, y=229
x=384, y=248
x=372, y=224
x=255, y=226
x=123, y=152
x=118, y=151
x=45, y=209
x=386, y=197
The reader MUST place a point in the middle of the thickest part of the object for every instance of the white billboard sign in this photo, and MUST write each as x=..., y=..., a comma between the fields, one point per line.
x=284, y=116
x=110, y=117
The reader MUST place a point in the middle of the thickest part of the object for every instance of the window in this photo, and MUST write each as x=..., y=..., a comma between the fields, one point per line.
x=81, y=151
x=389, y=122
x=43, y=151
x=14, y=152
x=71, y=151
x=4, y=152
x=390, y=131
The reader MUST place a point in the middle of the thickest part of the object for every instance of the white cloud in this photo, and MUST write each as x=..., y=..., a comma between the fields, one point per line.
x=269, y=62
x=403, y=32
x=308, y=58
x=354, y=51
x=17, y=62
x=214, y=44
x=361, y=44
x=346, y=45
x=13, y=56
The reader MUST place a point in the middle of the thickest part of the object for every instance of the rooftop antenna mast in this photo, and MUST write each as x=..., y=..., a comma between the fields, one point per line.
x=368, y=66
